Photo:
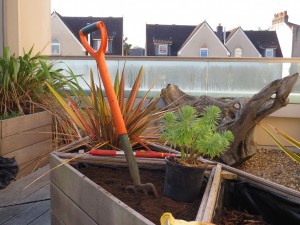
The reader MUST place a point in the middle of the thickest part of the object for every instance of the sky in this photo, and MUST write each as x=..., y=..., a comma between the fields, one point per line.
x=250, y=14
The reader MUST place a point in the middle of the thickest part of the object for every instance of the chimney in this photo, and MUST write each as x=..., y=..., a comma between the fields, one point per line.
x=281, y=17
x=220, y=32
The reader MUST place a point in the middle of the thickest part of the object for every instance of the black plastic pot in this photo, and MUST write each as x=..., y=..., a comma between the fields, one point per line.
x=182, y=183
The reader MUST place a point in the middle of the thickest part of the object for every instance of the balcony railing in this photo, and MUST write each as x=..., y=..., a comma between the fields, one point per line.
x=217, y=77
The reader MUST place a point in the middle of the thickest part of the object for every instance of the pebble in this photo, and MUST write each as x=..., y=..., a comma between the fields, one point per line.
x=274, y=165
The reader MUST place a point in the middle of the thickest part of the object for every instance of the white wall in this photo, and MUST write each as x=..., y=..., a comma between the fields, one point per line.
x=240, y=40
x=27, y=24
x=69, y=45
x=285, y=37
x=203, y=38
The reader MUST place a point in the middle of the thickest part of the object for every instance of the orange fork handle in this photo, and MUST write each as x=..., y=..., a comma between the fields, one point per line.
x=99, y=55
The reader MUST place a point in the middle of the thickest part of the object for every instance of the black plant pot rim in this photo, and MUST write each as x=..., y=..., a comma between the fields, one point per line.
x=171, y=160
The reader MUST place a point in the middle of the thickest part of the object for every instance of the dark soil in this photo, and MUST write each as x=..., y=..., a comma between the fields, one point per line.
x=233, y=217
x=114, y=180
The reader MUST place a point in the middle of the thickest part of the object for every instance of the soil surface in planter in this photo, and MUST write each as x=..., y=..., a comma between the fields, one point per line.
x=233, y=217
x=114, y=180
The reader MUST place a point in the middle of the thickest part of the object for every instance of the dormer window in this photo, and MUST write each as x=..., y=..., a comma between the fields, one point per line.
x=203, y=52
x=238, y=52
x=163, y=49
x=269, y=53
x=97, y=43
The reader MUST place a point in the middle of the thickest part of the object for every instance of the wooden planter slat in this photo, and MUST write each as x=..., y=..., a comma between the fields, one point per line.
x=209, y=208
x=17, y=141
x=28, y=139
x=155, y=163
x=213, y=194
x=97, y=203
x=24, y=123
x=288, y=193
x=55, y=220
x=204, y=200
x=30, y=166
x=32, y=152
x=73, y=214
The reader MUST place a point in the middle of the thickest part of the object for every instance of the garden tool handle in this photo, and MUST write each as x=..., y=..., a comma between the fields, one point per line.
x=89, y=29
x=142, y=154
x=99, y=55
x=121, y=130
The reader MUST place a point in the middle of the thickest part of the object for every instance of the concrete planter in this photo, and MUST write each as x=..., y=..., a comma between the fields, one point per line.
x=27, y=138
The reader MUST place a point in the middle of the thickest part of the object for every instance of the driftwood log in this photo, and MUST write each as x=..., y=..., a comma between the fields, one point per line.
x=239, y=115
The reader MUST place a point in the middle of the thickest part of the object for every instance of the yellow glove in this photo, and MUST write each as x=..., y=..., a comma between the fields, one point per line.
x=168, y=219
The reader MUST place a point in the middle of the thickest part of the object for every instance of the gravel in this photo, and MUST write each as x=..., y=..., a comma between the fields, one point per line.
x=274, y=165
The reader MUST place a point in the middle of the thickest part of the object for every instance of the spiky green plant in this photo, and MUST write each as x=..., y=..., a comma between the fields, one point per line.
x=22, y=81
x=94, y=117
x=286, y=137
x=195, y=135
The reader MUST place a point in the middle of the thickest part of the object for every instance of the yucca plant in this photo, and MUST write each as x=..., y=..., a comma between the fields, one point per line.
x=93, y=116
x=22, y=81
x=286, y=137
x=194, y=134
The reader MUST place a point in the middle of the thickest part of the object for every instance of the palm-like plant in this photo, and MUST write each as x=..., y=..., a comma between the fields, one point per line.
x=22, y=81
x=94, y=117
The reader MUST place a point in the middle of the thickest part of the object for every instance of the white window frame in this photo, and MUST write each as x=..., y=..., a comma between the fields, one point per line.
x=162, y=51
x=203, y=49
x=99, y=44
x=239, y=51
x=268, y=51
x=55, y=43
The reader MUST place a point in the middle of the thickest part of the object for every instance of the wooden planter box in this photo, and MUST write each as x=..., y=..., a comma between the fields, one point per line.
x=88, y=203
x=27, y=138
x=75, y=199
x=211, y=208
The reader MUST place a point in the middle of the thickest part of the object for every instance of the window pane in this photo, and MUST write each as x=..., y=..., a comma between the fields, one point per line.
x=203, y=52
x=55, y=49
x=238, y=52
x=96, y=44
x=163, y=49
x=269, y=53
x=109, y=46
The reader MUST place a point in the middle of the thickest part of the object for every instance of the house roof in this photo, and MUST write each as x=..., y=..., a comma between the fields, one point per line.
x=178, y=35
x=264, y=39
x=114, y=27
x=169, y=34
x=196, y=29
x=230, y=37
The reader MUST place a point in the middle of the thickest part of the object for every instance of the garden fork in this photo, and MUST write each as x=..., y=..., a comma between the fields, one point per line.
x=99, y=56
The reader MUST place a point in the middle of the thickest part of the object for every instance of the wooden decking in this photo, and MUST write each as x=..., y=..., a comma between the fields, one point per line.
x=31, y=206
